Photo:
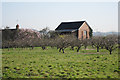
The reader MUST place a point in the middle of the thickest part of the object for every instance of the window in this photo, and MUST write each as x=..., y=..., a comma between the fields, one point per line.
x=85, y=33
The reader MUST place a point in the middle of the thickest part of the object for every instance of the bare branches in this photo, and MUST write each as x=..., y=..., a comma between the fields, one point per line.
x=62, y=43
x=30, y=38
x=111, y=43
x=98, y=42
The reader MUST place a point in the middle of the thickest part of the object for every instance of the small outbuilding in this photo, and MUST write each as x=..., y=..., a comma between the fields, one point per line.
x=80, y=29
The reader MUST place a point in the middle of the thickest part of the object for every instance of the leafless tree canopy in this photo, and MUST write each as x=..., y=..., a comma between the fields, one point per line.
x=29, y=38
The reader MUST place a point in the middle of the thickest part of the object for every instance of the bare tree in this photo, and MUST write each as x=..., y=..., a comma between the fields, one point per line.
x=43, y=43
x=52, y=42
x=62, y=43
x=98, y=41
x=78, y=44
x=52, y=34
x=72, y=41
x=85, y=43
x=111, y=43
x=45, y=32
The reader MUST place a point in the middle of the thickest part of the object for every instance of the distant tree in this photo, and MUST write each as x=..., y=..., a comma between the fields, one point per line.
x=43, y=43
x=85, y=43
x=52, y=42
x=62, y=43
x=78, y=44
x=72, y=41
x=52, y=34
x=45, y=32
x=103, y=42
x=111, y=42
x=97, y=41
x=91, y=42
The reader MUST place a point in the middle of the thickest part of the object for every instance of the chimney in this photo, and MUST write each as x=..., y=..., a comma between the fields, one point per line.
x=17, y=26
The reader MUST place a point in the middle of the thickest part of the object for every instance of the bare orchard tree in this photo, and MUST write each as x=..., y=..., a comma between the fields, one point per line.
x=98, y=41
x=111, y=42
x=62, y=43
x=52, y=42
x=92, y=42
x=43, y=43
x=103, y=42
x=72, y=40
x=52, y=34
x=78, y=44
x=86, y=42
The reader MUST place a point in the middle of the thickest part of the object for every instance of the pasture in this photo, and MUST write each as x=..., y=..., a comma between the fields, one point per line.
x=49, y=63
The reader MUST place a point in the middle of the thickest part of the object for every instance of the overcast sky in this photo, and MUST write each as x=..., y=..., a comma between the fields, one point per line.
x=101, y=16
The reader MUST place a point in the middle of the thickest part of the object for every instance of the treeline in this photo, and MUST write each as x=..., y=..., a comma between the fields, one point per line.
x=27, y=38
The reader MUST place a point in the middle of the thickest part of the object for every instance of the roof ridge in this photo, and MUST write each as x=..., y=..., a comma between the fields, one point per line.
x=73, y=21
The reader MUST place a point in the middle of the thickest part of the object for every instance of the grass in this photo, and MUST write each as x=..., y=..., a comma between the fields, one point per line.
x=38, y=63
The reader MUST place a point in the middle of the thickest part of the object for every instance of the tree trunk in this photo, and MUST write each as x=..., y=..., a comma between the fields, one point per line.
x=107, y=48
x=101, y=47
x=43, y=48
x=78, y=49
x=97, y=49
x=63, y=50
x=72, y=47
x=110, y=52
x=60, y=50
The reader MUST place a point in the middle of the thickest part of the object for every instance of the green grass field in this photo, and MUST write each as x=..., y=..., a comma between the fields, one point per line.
x=49, y=63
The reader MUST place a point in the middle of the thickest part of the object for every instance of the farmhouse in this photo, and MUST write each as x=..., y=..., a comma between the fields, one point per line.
x=79, y=28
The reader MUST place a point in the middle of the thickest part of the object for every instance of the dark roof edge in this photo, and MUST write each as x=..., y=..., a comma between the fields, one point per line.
x=73, y=21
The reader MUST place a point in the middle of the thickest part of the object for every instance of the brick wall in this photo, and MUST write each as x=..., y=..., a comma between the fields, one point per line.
x=81, y=30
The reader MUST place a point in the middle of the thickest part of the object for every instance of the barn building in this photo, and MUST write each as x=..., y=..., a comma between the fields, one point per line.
x=8, y=34
x=80, y=29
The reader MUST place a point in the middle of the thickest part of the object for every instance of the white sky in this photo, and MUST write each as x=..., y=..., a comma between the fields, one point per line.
x=101, y=16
